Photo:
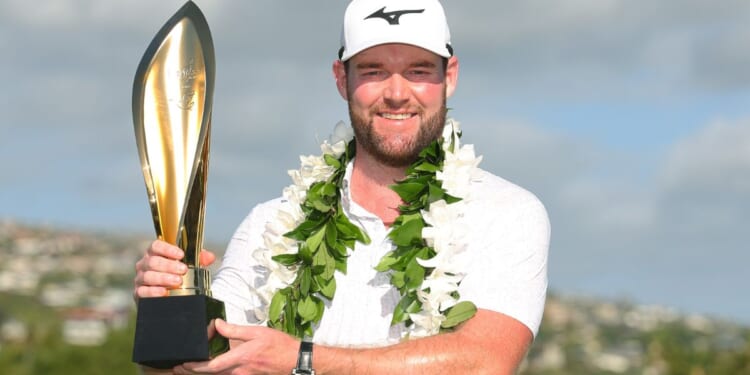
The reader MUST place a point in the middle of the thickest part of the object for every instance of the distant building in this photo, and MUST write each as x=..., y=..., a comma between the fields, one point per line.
x=89, y=327
x=13, y=331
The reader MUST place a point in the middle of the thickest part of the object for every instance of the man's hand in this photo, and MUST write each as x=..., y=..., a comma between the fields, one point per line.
x=160, y=269
x=255, y=350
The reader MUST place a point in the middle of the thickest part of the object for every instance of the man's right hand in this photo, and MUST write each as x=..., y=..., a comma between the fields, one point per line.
x=160, y=269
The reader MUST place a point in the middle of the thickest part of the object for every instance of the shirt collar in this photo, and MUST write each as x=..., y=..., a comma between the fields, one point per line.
x=351, y=208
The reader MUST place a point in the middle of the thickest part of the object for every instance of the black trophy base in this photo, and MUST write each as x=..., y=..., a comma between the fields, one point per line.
x=173, y=330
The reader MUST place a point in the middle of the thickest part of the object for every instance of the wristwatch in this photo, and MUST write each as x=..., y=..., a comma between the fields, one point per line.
x=304, y=359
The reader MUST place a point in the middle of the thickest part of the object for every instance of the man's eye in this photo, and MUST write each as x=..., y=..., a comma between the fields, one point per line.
x=420, y=75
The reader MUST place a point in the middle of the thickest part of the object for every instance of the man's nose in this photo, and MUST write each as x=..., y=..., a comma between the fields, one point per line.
x=396, y=91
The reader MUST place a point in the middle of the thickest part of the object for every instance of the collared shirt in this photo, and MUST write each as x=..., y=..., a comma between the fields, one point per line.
x=506, y=266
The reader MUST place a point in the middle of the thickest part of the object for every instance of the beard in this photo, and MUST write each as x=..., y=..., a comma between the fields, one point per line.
x=399, y=152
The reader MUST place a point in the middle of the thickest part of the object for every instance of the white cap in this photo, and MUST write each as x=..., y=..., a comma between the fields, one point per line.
x=369, y=23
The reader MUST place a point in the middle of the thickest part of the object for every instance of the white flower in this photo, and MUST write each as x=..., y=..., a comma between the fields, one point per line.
x=446, y=262
x=313, y=169
x=459, y=169
x=451, y=130
x=294, y=195
x=336, y=144
x=445, y=230
x=426, y=323
x=440, y=289
x=342, y=132
x=439, y=219
x=446, y=234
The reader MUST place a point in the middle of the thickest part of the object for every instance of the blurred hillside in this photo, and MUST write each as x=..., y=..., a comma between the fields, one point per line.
x=65, y=307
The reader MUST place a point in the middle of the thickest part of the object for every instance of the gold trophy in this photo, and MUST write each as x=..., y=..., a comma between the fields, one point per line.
x=172, y=102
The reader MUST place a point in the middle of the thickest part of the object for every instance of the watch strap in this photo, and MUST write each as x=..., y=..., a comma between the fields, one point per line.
x=304, y=358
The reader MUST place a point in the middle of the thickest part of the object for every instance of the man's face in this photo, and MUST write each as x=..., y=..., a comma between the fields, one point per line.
x=396, y=95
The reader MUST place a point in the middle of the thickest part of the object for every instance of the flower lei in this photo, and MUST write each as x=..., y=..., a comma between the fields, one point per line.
x=307, y=241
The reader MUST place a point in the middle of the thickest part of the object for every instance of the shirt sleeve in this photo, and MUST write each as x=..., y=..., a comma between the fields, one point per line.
x=237, y=276
x=508, y=252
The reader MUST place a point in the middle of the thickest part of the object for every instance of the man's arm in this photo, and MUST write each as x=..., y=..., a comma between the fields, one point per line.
x=489, y=343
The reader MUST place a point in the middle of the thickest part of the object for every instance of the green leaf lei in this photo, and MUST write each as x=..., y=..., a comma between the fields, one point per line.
x=323, y=239
x=326, y=233
x=418, y=190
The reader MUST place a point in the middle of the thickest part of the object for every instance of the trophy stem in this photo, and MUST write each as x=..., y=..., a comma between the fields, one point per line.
x=196, y=282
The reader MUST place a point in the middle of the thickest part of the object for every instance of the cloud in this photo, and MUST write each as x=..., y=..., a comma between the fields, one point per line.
x=721, y=63
x=76, y=14
x=715, y=159
x=576, y=49
x=706, y=181
x=704, y=214
x=526, y=153
x=662, y=236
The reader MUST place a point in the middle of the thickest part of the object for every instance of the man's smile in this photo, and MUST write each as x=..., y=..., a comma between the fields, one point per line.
x=396, y=116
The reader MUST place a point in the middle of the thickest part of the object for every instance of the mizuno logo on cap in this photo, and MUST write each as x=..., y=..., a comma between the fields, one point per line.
x=392, y=17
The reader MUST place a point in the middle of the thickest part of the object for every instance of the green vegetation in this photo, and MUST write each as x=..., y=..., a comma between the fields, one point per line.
x=580, y=336
x=49, y=355
x=44, y=351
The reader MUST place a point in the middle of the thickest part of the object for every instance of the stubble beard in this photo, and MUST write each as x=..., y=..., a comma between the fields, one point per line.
x=399, y=152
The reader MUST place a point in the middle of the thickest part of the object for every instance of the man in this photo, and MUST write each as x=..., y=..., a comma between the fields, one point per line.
x=395, y=69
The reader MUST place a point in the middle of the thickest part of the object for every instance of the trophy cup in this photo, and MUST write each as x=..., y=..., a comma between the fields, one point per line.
x=172, y=102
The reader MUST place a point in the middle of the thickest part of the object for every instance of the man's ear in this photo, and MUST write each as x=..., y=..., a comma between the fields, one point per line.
x=339, y=73
x=451, y=76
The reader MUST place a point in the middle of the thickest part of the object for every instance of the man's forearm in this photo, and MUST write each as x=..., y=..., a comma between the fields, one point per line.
x=434, y=355
x=489, y=343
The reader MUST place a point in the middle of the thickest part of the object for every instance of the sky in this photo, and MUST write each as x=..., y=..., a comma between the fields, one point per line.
x=629, y=119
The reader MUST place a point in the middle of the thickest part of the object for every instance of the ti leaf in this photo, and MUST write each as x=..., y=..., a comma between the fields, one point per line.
x=305, y=280
x=307, y=309
x=386, y=262
x=414, y=274
x=286, y=259
x=327, y=287
x=410, y=233
x=277, y=305
x=313, y=242
x=458, y=314
x=408, y=191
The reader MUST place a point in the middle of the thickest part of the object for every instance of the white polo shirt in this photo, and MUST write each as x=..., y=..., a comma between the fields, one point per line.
x=506, y=272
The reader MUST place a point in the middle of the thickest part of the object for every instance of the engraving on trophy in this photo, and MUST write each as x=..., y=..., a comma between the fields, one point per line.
x=187, y=75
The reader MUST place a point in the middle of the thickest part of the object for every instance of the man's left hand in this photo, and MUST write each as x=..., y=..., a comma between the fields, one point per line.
x=254, y=350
